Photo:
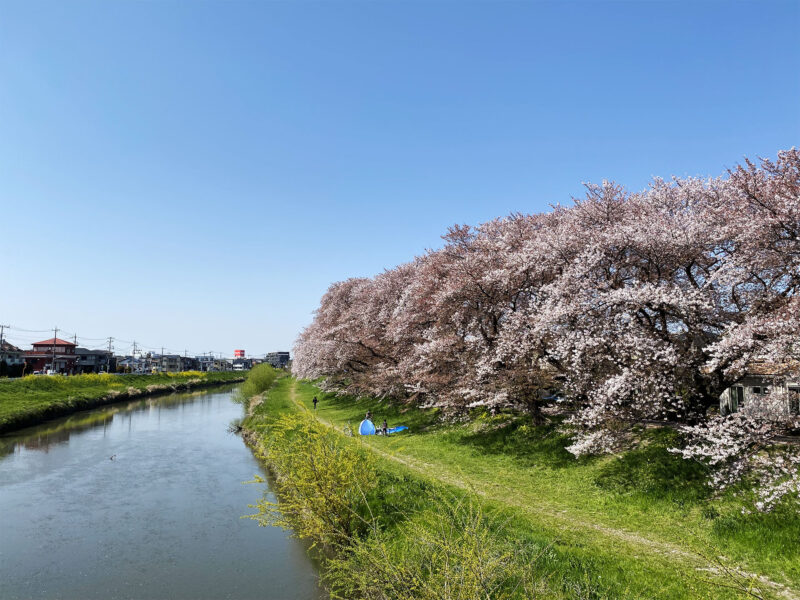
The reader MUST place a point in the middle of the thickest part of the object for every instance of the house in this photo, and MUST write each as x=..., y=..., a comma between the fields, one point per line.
x=174, y=363
x=279, y=360
x=12, y=362
x=242, y=364
x=10, y=354
x=133, y=364
x=55, y=354
x=204, y=363
x=94, y=361
x=761, y=378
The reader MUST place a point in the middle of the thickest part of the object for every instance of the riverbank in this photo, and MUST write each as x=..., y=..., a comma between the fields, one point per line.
x=34, y=399
x=638, y=525
x=161, y=520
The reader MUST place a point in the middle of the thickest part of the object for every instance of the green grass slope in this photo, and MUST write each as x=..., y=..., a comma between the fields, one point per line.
x=637, y=525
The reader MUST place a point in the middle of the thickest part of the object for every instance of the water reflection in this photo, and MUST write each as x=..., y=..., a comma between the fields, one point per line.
x=58, y=431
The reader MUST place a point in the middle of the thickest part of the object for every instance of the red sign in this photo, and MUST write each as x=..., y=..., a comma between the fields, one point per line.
x=238, y=353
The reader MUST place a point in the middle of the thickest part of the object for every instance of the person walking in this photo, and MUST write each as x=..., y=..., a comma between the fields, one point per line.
x=315, y=402
x=385, y=428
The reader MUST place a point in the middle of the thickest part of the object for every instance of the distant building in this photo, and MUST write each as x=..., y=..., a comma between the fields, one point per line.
x=12, y=361
x=174, y=363
x=204, y=363
x=222, y=364
x=242, y=364
x=94, y=361
x=279, y=360
x=11, y=354
x=761, y=378
x=55, y=354
x=134, y=364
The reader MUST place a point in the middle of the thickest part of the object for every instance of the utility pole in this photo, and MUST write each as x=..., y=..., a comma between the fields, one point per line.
x=55, y=337
x=134, y=347
x=2, y=358
x=110, y=349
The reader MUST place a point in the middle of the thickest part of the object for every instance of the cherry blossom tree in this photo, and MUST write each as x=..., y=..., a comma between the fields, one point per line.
x=642, y=305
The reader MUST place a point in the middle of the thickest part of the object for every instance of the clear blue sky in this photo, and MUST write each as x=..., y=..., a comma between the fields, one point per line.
x=195, y=174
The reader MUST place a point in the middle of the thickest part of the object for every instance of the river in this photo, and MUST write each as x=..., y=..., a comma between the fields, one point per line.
x=141, y=500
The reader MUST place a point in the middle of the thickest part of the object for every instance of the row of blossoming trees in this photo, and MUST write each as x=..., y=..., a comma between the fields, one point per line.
x=634, y=306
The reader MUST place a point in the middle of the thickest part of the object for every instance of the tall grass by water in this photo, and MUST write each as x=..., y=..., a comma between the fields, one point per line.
x=384, y=538
x=636, y=525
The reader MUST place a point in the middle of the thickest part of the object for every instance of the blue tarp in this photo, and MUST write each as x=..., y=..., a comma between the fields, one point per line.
x=367, y=427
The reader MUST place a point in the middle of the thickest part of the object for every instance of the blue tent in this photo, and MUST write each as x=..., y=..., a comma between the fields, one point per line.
x=367, y=427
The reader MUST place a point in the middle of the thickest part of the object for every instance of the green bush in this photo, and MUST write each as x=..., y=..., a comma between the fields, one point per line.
x=259, y=379
x=322, y=481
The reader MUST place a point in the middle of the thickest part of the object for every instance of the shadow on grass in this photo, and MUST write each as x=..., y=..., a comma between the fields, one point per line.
x=354, y=409
x=652, y=471
x=527, y=445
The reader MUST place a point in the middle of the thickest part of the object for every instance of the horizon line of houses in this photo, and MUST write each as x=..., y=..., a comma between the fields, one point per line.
x=63, y=357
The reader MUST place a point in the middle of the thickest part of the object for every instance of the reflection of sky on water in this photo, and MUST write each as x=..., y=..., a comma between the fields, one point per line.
x=59, y=431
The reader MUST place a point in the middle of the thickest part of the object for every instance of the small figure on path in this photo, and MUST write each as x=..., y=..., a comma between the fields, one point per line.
x=315, y=402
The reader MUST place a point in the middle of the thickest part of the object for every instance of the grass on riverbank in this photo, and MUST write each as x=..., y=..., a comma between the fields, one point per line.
x=40, y=396
x=259, y=379
x=630, y=526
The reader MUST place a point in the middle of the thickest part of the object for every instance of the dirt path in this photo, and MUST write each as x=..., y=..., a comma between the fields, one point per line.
x=563, y=519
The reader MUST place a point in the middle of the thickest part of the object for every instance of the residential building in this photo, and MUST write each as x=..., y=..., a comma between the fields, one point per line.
x=279, y=360
x=12, y=363
x=204, y=363
x=55, y=355
x=242, y=364
x=10, y=354
x=95, y=361
x=763, y=377
x=133, y=364
x=174, y=363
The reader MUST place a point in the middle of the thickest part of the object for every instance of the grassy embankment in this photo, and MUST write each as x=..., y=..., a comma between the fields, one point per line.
x=33, y=399
x=638, y=525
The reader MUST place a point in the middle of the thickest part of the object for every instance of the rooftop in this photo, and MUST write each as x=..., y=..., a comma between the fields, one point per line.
x=54, y=342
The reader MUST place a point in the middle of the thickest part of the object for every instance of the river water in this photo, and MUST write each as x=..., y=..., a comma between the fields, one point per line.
x=162, y=519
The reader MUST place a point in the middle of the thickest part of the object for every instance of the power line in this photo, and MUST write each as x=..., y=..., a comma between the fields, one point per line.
x=22, y=335
x=27, y=330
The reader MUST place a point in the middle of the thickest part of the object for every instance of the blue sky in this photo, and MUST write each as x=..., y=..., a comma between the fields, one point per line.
x=195, y=174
